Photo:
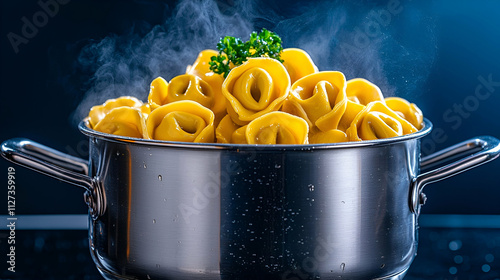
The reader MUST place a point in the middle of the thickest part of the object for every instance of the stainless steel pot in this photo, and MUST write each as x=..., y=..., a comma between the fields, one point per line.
x=163, y=210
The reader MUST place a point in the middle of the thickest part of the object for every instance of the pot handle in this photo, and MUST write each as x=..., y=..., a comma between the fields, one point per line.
x=55, y=164
x=477, y=151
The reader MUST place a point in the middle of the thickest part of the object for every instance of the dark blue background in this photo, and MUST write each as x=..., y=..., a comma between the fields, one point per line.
x=430, y=53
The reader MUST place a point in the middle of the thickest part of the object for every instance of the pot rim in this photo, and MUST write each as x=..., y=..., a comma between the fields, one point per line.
x=85, y=129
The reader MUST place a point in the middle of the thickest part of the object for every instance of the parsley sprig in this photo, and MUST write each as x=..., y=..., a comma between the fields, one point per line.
x=233, y=51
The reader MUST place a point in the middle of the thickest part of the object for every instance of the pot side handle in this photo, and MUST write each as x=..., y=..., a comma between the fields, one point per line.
x=47, y=161
x=473, y=152
x=58, y=165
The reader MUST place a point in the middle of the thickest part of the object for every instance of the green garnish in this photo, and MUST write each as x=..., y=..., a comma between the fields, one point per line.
x=233, y=51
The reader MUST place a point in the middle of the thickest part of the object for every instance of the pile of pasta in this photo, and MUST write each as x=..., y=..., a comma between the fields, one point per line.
x=262, y=101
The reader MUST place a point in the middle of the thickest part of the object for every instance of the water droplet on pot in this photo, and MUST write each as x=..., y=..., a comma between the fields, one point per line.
x=311, y=187
x=342, y=266
x=157, y=266
x=277, y=166
x=117, y=153
x=145, y=165
x=160, y=178
x=148, y=276
x=154, y=221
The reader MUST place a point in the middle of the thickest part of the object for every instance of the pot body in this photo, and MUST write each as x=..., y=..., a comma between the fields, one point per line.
x=250, y=213
x=167, y=210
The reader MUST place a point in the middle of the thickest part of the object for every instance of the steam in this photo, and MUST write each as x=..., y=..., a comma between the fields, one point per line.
x=360, y=41
x=337, y=36
x=126, y=64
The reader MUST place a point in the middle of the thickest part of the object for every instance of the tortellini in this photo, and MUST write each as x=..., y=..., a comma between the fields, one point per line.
x=123, y=121
x=182, y=87
x=320, y=98
x=298, y=63
x=225, y=130
x=98, y=112
x=262, y=101
x=258, y=86
x=377, y=121
x=158, y=91
x=277, y=128
x=272, y=128
x=351, y=111
x=363, y=92
x=201, y=68
x=184, y=121
x=406, y=110
x=329, y=136
x=239, y=136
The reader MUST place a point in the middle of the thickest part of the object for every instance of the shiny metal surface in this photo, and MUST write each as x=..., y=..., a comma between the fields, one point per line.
x=180, y=213
x=190, y=211
x=479, y=150
x=47, y=161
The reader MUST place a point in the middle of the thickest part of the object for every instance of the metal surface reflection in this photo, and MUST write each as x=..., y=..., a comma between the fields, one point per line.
x=164, y=210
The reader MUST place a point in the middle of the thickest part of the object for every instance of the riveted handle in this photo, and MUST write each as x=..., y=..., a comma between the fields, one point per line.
x=55, y=164
x=473, y=152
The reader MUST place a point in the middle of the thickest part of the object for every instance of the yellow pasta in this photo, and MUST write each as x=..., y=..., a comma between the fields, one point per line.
x=377, y=121
x=407, y=110
x=145, y=110
x=295, y=109
x=258, y=86
x=298, y=63
x=261, y=101
x=351, y=111
x=201, y=68
x=329, y=136
x=225, y=130
x=98, y=112
x=277, y=128
x=239, y=135
x=123, y=121
x=185, y=121
x=182, y=87
x=190, y=87
x=363, y=91
x=321, y=96
x=158, y=91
